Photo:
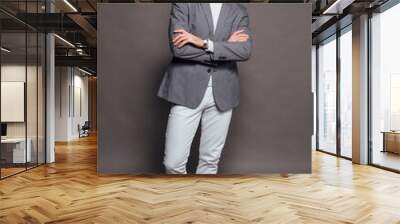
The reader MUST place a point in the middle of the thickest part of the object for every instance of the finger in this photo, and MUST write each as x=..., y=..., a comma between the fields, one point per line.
x=240, y=35
x=243, y=39
x=183, y=36
x=177, y=43
x=180, y=41
x=243, y=35
x=177, y=37
x=180, y=37
x=235, y=37
x=239, y=39
x=239, y=31
x=183, y=43
x=235, y=33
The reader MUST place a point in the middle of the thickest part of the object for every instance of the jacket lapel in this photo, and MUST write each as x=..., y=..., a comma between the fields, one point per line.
x=207, y=12
x=225, y=11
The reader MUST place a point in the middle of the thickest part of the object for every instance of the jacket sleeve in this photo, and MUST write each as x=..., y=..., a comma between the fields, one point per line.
x=228, y=51
x=179, y=20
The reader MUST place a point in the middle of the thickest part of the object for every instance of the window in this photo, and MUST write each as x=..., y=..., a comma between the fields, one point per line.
x=385, y=89
x=346, y=74
x=327, y=96
x=334, y=94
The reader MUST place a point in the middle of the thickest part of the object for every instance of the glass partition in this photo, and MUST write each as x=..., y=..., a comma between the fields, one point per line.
x=327, y=95
x=15, y=151
x=22, y=88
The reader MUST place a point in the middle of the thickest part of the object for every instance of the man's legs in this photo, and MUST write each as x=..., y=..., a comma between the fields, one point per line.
x=181, y=129
x=182, y=125
x=214, y=130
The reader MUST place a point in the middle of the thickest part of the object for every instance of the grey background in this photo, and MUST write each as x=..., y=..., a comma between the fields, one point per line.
x=271, y=129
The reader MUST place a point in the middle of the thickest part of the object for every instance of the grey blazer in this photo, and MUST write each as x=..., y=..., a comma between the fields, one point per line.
x=186, y=78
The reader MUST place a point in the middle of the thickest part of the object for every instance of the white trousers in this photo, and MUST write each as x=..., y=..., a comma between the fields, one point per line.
x=181, y=129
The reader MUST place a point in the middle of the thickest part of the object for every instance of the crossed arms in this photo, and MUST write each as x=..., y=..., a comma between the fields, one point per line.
x=187, y=46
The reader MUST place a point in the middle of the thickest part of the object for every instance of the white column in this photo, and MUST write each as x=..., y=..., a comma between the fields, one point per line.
x=50, y=92
x=63, y=99
x=360, y=90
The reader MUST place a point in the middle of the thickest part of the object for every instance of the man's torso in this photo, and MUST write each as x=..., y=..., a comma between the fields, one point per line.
x=185, y=82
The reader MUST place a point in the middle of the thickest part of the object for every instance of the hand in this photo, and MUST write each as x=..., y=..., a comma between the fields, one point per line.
x=185, y=37
x=238, y=36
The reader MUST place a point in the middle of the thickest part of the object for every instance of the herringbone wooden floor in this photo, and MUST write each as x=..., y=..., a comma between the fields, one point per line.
x=70, y=191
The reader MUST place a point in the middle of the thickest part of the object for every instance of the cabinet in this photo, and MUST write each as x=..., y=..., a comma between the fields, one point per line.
x=391, y=142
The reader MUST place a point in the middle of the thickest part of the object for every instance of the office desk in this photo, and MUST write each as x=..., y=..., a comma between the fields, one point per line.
x=391, y=141
x=13, y=150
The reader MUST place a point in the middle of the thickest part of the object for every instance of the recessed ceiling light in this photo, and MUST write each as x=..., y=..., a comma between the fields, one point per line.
x=334, y=8
x=70, y=5
x=84, y=71
x=5, y=50
x=64, y=40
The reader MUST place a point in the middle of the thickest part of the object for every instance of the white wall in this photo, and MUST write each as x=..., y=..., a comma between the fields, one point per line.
x=14, y=73
x=71, y=102
x=62, y=82
x=80, y=112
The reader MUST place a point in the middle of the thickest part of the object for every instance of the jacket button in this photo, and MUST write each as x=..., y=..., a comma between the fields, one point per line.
x=209, y=70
